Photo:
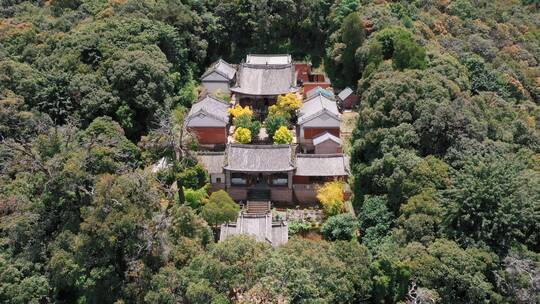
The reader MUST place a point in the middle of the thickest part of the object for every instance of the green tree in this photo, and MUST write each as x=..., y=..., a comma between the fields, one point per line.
x=492, y=202
x=273, y=123
x=408, y=54
x=108, y=149
x=421, y=217
x=342, y=66
x=310, y=271
x=194, y=177
x=456, y=274
x=230, y=267
x=340, y=227
x=375, y=220
x=219, y=209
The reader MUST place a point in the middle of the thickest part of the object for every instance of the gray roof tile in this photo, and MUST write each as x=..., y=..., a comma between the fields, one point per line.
x=210, y=106
x=212, y=161
x=222, y=67
x=259, y=158
x=322, y=165
x=324, y=137
x=256, y=79
x=345, y=93
x=315, y=105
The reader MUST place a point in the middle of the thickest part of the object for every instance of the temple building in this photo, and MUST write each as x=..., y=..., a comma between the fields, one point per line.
x=259, y=172
x=208, y=119
x=213, y=163
x=261, y=79
x=309, y=80
x=315, y=169
x=260, y=176
x=272, y=172
x=327, y=143
x=318, y=115
x=219, y=77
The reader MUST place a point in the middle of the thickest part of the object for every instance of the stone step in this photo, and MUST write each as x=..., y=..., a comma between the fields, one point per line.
x=258, y=207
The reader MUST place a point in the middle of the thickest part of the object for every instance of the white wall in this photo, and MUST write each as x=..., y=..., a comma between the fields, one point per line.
x=206, y=121
x=214, y=87
x=214, y=76
x=215, y=176
x=323, y=121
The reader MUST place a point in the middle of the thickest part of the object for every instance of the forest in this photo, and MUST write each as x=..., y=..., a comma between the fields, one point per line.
x=445, y=154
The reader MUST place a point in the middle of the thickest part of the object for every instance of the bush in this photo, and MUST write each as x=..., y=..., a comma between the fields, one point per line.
x=238, y=111
x=298, y=227
x=273, y=122
x=283, y=136
x=331, y=197
x=242, y=135
x=340, y=227
x=286, y=105
x=194, y=177
x=246, y=121
x=220, y=209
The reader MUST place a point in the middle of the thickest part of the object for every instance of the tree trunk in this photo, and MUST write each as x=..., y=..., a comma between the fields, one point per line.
x=180, y=190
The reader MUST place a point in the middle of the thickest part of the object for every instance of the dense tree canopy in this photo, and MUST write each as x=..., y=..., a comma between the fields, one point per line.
x=445, y=156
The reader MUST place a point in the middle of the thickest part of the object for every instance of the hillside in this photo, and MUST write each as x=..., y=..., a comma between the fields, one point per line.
x=445, y=153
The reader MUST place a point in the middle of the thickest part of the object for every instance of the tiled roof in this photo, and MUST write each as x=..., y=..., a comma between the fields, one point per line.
x=322, y=165
x=210, y=106
x=268, y=59
x=259, y=158
x=324, y=137
x=257, y=79
x=316, y=105
x=320, y=91
x=345, y=93
x=212, y=161
x=221, y=67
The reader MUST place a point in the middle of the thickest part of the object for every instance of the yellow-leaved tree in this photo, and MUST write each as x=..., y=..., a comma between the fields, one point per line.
x=285, y=105
x=238, y=110
x=331, y=196
x=282, y=136
x=242, y=135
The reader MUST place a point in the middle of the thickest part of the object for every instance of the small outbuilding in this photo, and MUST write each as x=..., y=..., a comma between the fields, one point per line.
x=319, y=114
x=347, y=99
x=315, y=169
x=219, y=77
x=208, y=119
x=326, y=143
x=213, y=163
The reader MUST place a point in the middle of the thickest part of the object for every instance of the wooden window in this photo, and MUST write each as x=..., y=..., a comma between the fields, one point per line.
x=238, y=179
x=280, y=179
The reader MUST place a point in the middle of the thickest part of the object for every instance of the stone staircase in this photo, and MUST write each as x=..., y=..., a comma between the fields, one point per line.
x=257, y=207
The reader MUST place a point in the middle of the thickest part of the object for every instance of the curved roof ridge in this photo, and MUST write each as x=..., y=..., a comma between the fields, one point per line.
x=328, y=155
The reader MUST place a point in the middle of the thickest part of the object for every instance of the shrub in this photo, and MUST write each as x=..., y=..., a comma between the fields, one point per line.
x=340, y=227
x=246, y=121
x=242, y=135
x=238, y=110
x=286, y=104
x=220, y=209
x=331, y=197
x=298, y=227
x=194, y=177
x=283, y=136
x=273, y=122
